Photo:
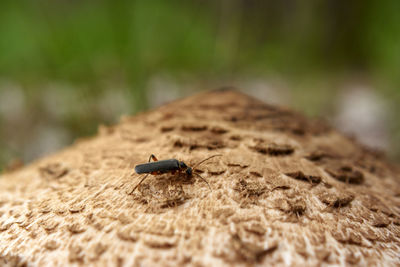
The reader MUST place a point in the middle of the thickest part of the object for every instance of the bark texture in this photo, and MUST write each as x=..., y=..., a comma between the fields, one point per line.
x=287, y=190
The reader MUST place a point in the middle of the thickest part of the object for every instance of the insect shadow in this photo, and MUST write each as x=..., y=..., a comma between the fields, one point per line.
x=172, y=166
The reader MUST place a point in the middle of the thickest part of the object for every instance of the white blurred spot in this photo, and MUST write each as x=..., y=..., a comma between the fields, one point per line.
x=265, y=90
x=60, y=99
x=363, y=113
x=46, y=139
x=162, y=89
x=12, y=101
x=113, y=103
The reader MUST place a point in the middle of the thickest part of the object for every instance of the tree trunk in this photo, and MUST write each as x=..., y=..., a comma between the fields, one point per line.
x=286, y=190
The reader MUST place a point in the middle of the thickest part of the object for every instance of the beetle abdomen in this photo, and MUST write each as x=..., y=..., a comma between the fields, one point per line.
x=158, y=166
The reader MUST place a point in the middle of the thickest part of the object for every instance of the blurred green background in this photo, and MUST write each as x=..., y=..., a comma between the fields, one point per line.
x=68, y=66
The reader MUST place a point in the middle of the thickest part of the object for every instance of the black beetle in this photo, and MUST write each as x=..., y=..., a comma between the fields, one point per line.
x=168, y=166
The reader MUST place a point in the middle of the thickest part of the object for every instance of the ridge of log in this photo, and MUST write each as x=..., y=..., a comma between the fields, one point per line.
x=287, y=190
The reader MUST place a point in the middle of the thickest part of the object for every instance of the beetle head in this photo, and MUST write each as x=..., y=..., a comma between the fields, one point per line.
x=183, y=166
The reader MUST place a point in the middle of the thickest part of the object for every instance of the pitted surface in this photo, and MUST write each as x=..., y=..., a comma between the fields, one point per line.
x=286, y=191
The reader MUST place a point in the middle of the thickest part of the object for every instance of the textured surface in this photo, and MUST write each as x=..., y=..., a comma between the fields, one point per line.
x=286, y=190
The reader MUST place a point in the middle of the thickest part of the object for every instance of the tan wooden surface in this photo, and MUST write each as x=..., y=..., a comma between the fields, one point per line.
x=287, y=190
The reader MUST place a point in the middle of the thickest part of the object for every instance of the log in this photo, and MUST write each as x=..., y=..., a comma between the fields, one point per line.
x=286, y=190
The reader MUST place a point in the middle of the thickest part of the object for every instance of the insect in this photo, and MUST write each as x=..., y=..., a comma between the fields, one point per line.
x=172, y=166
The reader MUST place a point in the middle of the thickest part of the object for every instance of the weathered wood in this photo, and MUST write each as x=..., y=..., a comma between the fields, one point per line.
x=287, y=190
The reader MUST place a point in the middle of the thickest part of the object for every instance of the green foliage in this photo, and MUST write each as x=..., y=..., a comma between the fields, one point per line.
x=84, y=40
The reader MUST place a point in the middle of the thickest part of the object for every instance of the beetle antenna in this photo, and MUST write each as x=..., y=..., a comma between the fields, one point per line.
x=133, y=190
x=218, y=155
x=203, y=180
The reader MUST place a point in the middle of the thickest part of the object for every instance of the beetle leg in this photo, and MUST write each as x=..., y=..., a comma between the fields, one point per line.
x=152, y=157
x=133, y=190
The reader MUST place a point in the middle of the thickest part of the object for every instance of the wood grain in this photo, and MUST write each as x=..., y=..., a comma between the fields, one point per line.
x=288, y=191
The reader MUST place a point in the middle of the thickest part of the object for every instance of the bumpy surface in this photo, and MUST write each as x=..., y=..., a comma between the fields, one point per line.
x=286, y=191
